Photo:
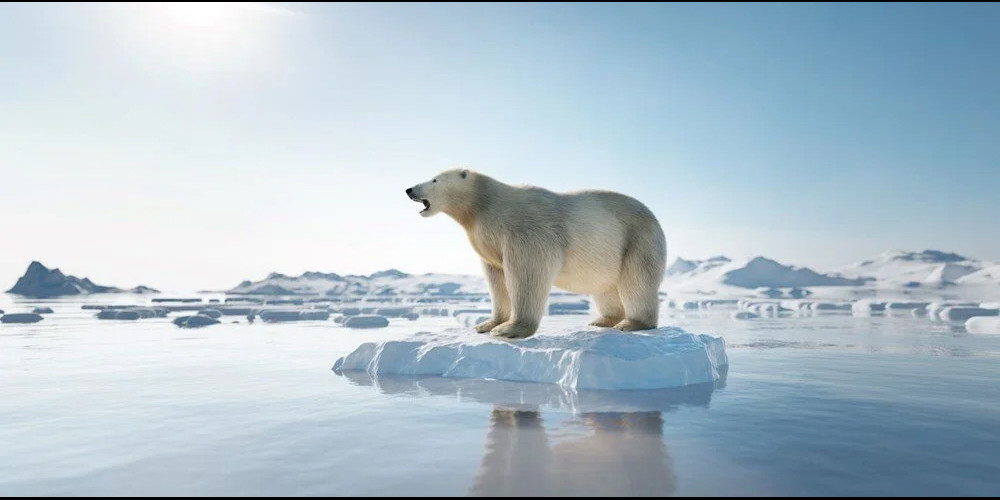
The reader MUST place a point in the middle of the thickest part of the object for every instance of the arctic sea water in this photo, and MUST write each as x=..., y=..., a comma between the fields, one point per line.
x=830, y=404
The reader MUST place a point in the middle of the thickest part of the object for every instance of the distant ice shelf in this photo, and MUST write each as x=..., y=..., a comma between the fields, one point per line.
x=582, y=359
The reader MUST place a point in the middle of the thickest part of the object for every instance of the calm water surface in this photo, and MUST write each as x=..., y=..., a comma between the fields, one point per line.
x=829, y=405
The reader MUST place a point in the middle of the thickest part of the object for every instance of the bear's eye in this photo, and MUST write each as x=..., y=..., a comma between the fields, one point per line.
x=435, y=180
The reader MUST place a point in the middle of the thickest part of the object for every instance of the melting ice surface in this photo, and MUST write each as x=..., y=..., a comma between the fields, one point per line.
x=581, y=359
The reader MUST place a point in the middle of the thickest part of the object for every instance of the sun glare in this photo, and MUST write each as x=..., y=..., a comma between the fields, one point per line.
x=206, y=35
x=199, y=14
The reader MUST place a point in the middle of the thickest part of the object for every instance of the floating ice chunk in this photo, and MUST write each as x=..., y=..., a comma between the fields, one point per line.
x=276, y=316
x=830, y=306
x=588, y=359
x=42, y=310
x=394, y=312
x=934, y=308
x=128, y=315
x=314, y=315
x=990, y=305
x=124, y=314
x=366, y=322
x=743, y=315
x=964, y=313
x=21, y=318
x=867, y=307
x=194, y=321
x=907, y=306
x=983, y=324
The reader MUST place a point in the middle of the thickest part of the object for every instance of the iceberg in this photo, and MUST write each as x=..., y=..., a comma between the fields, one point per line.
x=581, y=359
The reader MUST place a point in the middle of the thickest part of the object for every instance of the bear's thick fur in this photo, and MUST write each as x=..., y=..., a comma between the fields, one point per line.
x=600, y=243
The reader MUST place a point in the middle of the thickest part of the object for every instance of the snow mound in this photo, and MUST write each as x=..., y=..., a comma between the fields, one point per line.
x=983, y=324
x=588, y=359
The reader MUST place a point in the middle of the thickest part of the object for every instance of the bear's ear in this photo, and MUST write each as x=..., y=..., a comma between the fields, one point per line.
x=465, y=173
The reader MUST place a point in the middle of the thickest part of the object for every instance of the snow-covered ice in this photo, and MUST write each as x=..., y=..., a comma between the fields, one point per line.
x=587, y=359
x=983, y=324
x=867, y=307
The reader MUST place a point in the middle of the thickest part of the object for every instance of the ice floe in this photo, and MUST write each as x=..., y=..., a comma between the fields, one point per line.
x=21, y=318
x=983, y=324
x=588, y=359
x=366, y=321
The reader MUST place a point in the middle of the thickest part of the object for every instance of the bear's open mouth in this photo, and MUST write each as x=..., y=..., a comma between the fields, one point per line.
x=427, y=204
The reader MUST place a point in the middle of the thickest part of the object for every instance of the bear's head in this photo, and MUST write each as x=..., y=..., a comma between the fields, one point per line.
x=449, y=192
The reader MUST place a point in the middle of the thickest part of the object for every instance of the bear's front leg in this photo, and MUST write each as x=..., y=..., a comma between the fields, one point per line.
x=529, y=277
x=498, y=296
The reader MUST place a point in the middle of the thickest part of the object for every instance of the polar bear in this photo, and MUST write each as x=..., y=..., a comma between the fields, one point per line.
x=600, y=243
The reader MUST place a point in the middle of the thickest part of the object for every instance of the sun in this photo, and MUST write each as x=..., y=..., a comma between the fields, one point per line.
x=199, y=15
x=203, y=37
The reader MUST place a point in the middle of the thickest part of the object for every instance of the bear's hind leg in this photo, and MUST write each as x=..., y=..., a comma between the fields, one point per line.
x=498, y=296
x=642, y=273
x=609, y=304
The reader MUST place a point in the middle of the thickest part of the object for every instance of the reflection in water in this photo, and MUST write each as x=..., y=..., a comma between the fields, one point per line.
x=611, y=446
x=619, y=454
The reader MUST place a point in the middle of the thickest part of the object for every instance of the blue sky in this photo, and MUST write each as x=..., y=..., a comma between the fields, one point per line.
x=197, y=149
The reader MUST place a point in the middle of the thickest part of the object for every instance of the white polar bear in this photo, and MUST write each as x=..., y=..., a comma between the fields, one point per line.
x=600, y=243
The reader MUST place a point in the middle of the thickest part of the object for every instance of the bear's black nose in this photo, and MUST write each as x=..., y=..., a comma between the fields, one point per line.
x=409, y=190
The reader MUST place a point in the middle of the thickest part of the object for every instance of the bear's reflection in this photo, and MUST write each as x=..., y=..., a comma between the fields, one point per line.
x=610, y=444
x=617, y=454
